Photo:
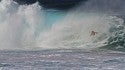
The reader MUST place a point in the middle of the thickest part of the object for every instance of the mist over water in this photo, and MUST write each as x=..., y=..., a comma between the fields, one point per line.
x=30, y=26
x=18, y=24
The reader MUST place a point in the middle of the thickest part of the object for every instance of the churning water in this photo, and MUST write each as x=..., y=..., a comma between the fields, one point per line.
x=31, y=27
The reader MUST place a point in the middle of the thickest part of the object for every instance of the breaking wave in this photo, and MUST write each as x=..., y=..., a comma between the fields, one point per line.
x=30, y=26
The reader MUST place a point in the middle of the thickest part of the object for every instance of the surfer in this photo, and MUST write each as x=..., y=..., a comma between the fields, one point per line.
x=93, y=33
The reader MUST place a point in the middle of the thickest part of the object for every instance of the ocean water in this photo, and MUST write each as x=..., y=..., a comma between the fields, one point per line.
x=62, y=60
x=27, y=27
x=34, y=38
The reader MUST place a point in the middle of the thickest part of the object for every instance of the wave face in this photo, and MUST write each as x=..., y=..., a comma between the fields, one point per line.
x=32, y=27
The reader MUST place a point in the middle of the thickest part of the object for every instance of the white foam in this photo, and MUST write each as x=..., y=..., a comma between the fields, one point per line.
x=19, y=25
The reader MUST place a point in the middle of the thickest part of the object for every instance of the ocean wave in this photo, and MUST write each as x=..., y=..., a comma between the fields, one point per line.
x=88, y=26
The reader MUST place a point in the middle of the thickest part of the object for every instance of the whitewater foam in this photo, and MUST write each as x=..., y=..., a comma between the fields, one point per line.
x=24, y=26
x=18, y=24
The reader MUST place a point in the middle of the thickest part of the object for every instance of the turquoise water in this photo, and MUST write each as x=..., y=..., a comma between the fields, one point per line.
x=50, y=17
x=53, y=16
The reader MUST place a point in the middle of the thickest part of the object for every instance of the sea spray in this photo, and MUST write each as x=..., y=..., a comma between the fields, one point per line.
x=18, y=24
x=74, y=31
x=24, y=26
